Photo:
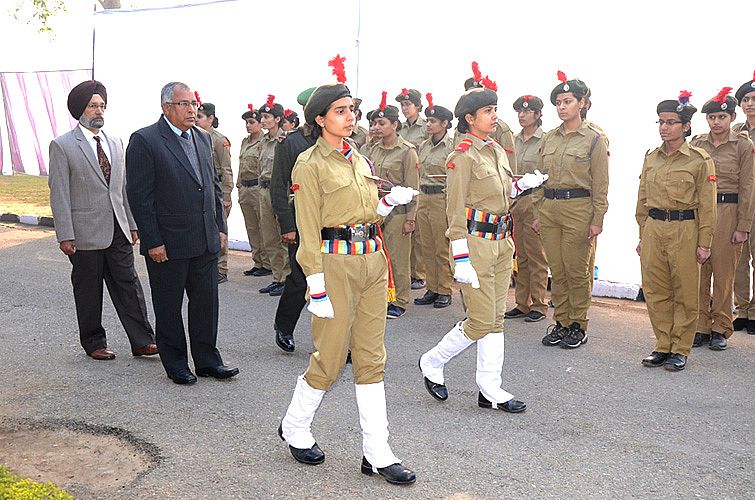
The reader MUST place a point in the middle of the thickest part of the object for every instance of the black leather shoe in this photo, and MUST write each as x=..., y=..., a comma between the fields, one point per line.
x=394, y=474
x=250, y=272
x=510, y=406
x=675, y=362
x=751, y=327
x=266, y=289
x=285, y=342
x=183, y=377
x=655, y=359
x=309, y=456
x=514, y=313
x=262, y=271
x=277, y=290
x=442, y=301
x=220, y=371
x=717, y=341
x=700, y=339
x=438, y=391
x=428, y=298
x=740, y=324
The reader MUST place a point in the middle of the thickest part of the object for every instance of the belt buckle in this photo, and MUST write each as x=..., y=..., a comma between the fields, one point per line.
x=667, y=215
x=358, y=233
x=567, y=196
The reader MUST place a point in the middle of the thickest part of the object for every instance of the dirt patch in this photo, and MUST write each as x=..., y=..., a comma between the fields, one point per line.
x=18, y=234
x=83, y=459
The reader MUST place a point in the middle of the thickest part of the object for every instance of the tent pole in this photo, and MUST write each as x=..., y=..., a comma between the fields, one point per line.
x=93, y=36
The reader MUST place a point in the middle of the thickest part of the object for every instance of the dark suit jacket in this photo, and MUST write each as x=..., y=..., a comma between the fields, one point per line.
x=171, y=206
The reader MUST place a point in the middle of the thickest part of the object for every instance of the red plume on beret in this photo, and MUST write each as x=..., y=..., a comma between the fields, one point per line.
x=382, y=101
x=476, y=71
x=684, y=96
x=270, y=101
x=251, y=107
x=489, y=84
x=287, y=113
x=338, y=68
x=561, y=76
x=405, y=92
x=527, y=97
x=721, y=96
x=429, y=97
x=196, y=96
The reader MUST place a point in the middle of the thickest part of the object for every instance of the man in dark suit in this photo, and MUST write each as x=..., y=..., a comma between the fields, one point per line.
x=94, y=225
x=177, y=202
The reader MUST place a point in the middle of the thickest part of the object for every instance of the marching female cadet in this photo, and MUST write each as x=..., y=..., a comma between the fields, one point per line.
x=732, y=155
x=569, y=211
x=396, y=162
x=337, y=212
x=247, y=183
x=431, y=206
x=479, y=187
x=532, y=273
x=676, y=212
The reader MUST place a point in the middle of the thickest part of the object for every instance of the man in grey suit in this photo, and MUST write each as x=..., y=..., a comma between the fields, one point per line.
x=94, y=225
x=177, y=202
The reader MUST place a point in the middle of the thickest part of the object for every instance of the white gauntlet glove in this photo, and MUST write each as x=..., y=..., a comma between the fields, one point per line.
x=399, y=195
x=528, y=181
x=463, y=270
x=319, y=302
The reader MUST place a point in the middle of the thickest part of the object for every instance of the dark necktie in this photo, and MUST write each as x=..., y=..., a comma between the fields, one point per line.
x=185, y=135
x=102, y=160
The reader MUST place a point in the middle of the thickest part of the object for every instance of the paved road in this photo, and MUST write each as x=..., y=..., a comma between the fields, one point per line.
x=598, y=425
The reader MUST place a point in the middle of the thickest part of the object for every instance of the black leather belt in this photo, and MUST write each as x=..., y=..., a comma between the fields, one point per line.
x=355, y=234
x=566, y=194
x=432, y=189
x=727, y=198
x=669, y=215
x=249, y=183
x=265, y=184
x=501, y=227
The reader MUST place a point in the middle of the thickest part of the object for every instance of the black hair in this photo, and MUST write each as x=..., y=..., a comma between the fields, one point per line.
x=215, y=122
x=463, y=126
x=295, y=121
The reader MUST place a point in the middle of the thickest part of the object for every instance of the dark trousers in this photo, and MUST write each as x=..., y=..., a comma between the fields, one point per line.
x=198, y=277
x=114, y=265
x=292, y=301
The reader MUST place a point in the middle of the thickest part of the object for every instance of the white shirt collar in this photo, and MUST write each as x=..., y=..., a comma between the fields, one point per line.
x=89, y=135
x=175, y=129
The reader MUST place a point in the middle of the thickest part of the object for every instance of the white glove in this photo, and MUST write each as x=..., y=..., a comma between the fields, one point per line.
x=463, y=270
x=528, y=181
x=399, y=195
x=319, y=302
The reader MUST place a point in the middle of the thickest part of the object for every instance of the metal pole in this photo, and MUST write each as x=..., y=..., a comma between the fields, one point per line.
x=93, y=36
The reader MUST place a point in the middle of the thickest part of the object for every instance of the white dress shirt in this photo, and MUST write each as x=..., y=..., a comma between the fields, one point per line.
x=89, y=135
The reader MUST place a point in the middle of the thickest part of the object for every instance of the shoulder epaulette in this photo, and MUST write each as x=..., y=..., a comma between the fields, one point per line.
x=464, y=145
x=743, y=135
x=704, y=154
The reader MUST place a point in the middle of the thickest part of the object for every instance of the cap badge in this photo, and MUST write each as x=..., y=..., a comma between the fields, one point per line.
x=525, y=104
x=752, y=84
x=724, y=106
x=566, y=87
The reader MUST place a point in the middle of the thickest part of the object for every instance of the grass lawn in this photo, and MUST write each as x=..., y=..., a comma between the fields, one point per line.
x=24, y=195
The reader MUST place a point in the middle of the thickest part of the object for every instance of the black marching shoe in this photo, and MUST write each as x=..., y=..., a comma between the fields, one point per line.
x=675, y=362
x=554, y=334
x=751, y=327
x=655, y=359
x=183, y=377
x=574, y=338
x=510, y=406
x=266, y=289
x=514, y=313
x=262, y=271
x=740, y=324
x=418, y=284
x=220, y=371
x=534, y=317
x=250, y=272
x=438, y=391
x=309, y=456
x=442, y=301
x=394, y=474
x=428, y=298
x=717, y=342
x=700, y=339
x=278, y=289
x=285, y=342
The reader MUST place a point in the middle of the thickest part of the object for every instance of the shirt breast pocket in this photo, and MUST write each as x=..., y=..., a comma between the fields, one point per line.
x=332, y=184
x=681, y=187
x=483, y=171
x=578, y=153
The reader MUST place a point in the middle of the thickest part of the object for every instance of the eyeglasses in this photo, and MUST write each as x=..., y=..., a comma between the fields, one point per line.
x=185, y=104
x=670, y=123
x=93, y=106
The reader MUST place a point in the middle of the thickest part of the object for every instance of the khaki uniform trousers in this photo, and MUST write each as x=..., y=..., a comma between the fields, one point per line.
x=271, y=239
x=249, y=201
x=223, y=255
x=532, y=273
x=564, y=226
x=670, y=282
x=721, y=266
x=744, y=296
x=358, y=289
x=418, y=259
x=399, y=250
x=432, y=225
x=493, y=262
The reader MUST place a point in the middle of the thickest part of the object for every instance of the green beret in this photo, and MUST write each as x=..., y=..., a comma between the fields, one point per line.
x=390, y=112
x=684, y=110
x=439, y=112
x=746, y=88
x=369, y=115
x=322, y=97
x=303, y=97
x=527, y=102
x=471, y=83
x=727, y=104
x=576, y=87
x=411, y=95
x=474, y=99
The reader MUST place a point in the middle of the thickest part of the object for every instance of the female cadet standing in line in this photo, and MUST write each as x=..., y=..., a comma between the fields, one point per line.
x=247, y=183
x=479, y=188
x=290, y=121
x=431, y=206
x=569, y=211
x=337, y=212
x=732, y=155
x=532, y=267
x=396, y=161
x=676, y=212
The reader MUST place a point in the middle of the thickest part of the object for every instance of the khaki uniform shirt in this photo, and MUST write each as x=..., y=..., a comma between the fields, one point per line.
x=505, y=138
x=415, y=133
x=432, y=160
x=598, y=130
x=221, y=158
x=267, y=155
x=479, y=177
x=735, y=163
x=686, y=180
x=527, y=152
x=576, y=160
x=745, y=127
x=330, y=191
x=359, y=136
x=398, y=164
x=249, y=159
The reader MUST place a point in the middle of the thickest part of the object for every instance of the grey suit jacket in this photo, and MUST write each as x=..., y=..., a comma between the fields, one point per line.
x=81, y=201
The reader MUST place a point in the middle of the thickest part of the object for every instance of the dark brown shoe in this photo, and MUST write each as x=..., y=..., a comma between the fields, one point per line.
x=102, y=354
x=147, y=350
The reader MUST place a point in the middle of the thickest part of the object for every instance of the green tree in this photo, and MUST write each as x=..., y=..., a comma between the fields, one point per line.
x=40, y=11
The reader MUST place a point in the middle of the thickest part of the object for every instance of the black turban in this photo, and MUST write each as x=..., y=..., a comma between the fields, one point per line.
x=82, y=93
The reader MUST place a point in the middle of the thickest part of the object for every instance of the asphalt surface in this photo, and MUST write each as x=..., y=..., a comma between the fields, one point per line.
x=598, y=424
